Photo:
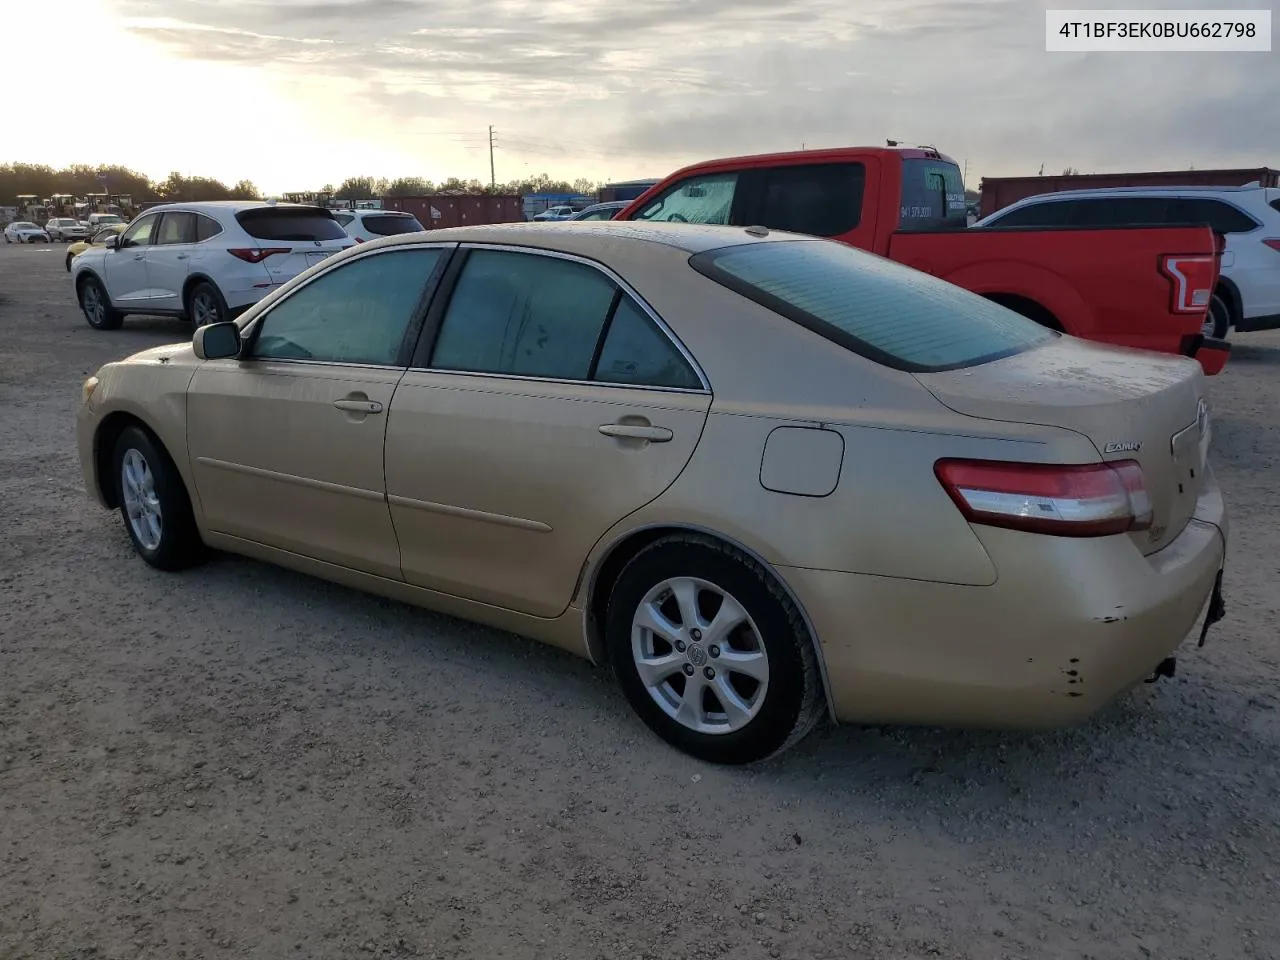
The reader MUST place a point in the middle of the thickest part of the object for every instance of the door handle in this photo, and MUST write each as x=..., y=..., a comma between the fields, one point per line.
x=359, y=406
x=181, y=256
x=636, y=431
x=137, y=256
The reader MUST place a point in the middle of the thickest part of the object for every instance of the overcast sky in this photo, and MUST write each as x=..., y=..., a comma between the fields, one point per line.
x=296, y=93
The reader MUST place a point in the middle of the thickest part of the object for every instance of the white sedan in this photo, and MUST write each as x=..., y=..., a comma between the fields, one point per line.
x=23, y=231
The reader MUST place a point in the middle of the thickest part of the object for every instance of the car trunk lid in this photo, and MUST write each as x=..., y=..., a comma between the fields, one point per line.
x=291, y=238
x=1132, y=405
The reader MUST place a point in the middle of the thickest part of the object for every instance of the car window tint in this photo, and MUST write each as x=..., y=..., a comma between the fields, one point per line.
x=707, y=199
x=343, y=218
x=386, y=225
x=206, y=227
x=140, y=232
x=357, y=312
x=524, y=314
x=1055, y=213
x=887, y=312
x=177, y=228
x=637, y=351
x=1222, y=217
x=821, y=199
x=284, y=223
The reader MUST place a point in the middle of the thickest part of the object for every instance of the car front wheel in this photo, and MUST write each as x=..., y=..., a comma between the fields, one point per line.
x=711, y=651
x=96, y=305
x=154, y=503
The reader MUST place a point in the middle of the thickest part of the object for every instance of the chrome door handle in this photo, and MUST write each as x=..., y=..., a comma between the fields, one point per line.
x=359, y=406
x=635, y=431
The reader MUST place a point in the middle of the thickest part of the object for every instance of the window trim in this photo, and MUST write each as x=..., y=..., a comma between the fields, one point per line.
x=250, y=331
x=420, y=362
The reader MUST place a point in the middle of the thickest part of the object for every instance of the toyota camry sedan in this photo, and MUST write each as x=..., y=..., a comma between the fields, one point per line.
x=768, y=478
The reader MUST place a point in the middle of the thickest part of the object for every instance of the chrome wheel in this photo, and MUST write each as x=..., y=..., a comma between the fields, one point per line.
x=699, y=655
x=94, y=308
x=204, y=309
x=142, y=505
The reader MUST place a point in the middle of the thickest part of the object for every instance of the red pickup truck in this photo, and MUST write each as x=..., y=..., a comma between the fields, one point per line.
x=1143, y=287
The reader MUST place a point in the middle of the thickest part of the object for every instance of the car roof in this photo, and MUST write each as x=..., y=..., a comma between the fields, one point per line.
x=1105, y=192
x=584, y=236
x=228, y=206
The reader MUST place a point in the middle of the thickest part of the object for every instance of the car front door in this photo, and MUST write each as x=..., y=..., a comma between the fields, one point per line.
x=125, y=267
x=169, y=259
x=286, y=442
x=548, y=405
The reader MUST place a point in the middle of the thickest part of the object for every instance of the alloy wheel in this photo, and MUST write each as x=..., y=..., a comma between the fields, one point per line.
x=142, y=504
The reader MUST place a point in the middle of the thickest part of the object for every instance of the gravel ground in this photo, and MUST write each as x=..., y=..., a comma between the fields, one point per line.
x=244, y=762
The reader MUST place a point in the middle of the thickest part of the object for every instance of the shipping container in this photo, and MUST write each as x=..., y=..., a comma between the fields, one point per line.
x=999, y=192
x=458, y=210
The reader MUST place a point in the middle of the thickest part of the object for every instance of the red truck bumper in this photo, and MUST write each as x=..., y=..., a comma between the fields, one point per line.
x=1211, y=353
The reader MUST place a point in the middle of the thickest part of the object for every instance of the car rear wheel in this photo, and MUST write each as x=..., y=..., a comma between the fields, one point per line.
x=154, y=503
x=96, y=305
x=205, y=305
x=711, y=652
x=1217, y=322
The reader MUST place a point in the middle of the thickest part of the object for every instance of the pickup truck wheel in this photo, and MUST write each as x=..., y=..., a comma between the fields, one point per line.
x=1218, y=320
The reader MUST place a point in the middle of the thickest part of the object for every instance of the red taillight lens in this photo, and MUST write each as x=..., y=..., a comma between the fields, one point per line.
x=1274, y=244
x=257, y=254
x=358, y=240
x=1088, y=500
x=1192, y=279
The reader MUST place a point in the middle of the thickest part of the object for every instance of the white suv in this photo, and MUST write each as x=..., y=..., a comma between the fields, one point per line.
x=1248, y=293
x=365, y=225
x=206, y=262
x=66, y=229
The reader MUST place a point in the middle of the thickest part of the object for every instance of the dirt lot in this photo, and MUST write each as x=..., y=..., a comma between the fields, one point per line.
x=244, y=762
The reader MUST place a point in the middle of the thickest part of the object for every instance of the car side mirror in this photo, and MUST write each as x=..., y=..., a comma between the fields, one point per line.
x=217, y=341
x=111, y=243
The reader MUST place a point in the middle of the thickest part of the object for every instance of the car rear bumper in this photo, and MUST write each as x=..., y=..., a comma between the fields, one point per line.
x=1068, y=625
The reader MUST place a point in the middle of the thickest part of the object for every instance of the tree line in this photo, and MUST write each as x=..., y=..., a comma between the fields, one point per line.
x=81, y=178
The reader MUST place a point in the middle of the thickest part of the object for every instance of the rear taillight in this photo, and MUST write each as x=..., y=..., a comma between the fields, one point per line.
x=1088, y=500
x=1192, y=279
x=358, y=240
x=1274, y=244
x=257, y=254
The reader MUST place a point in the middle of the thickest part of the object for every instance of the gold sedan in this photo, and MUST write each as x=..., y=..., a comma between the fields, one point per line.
x=768, y=477
x=97, y=240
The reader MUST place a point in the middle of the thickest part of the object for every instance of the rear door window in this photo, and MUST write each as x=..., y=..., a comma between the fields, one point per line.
x=704, y=199
x=1120, y=212
x=882, y=310
x=282, y=223
x=822, y=199
x=177, y=228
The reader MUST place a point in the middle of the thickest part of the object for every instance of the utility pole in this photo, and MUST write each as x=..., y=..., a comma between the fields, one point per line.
x=493, y=179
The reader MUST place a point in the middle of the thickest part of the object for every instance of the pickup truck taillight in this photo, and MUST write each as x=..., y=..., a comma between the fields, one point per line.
x=1192, y=279
x=1086, y=500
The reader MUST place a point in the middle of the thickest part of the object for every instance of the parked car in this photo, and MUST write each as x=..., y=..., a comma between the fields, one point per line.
x=23, y=231
x=600, y=211
x=66, y=229
x=1247, y=295
x=973, y=533
x=562, y=212
x=205, y=262
x=99, y=240
x=1132, y=286
x=365, y=225
x=99, y=220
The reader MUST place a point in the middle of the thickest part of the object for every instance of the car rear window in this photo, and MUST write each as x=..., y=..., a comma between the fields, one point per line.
x=385, y=225
x=884, y=311
x=281, y=223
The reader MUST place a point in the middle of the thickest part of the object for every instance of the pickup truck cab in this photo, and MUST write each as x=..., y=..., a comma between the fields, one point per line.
x=1146, y=287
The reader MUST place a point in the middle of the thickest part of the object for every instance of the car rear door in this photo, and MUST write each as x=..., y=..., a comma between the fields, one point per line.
x=548, y=403
x=286, y=444
x=169, y=259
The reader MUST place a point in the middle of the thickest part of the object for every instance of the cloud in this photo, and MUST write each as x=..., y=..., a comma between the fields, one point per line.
x=657, y=83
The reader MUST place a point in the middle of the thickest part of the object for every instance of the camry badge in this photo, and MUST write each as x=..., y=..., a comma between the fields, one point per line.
x=1123, y=446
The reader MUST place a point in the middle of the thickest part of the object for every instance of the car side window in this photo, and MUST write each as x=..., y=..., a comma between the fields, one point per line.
x=1222, y=217
x=705, y=199
x=177, y=228
x=140, y=232
x=1056, y=213
x=824, y=200
x=358, y=312
x=524, y=314
x=206, y=227
x=637, y=352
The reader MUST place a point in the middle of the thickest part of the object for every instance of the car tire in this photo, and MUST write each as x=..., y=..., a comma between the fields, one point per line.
x=1217, y=321
x=758, y=686
x=69, y=258
x=96, y=305
x=154, y=502
x=205, y=305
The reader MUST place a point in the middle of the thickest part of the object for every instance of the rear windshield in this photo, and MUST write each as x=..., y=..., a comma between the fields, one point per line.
x=276, y=223
x=385, y=225
x=932, y=196
x=884, y=311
